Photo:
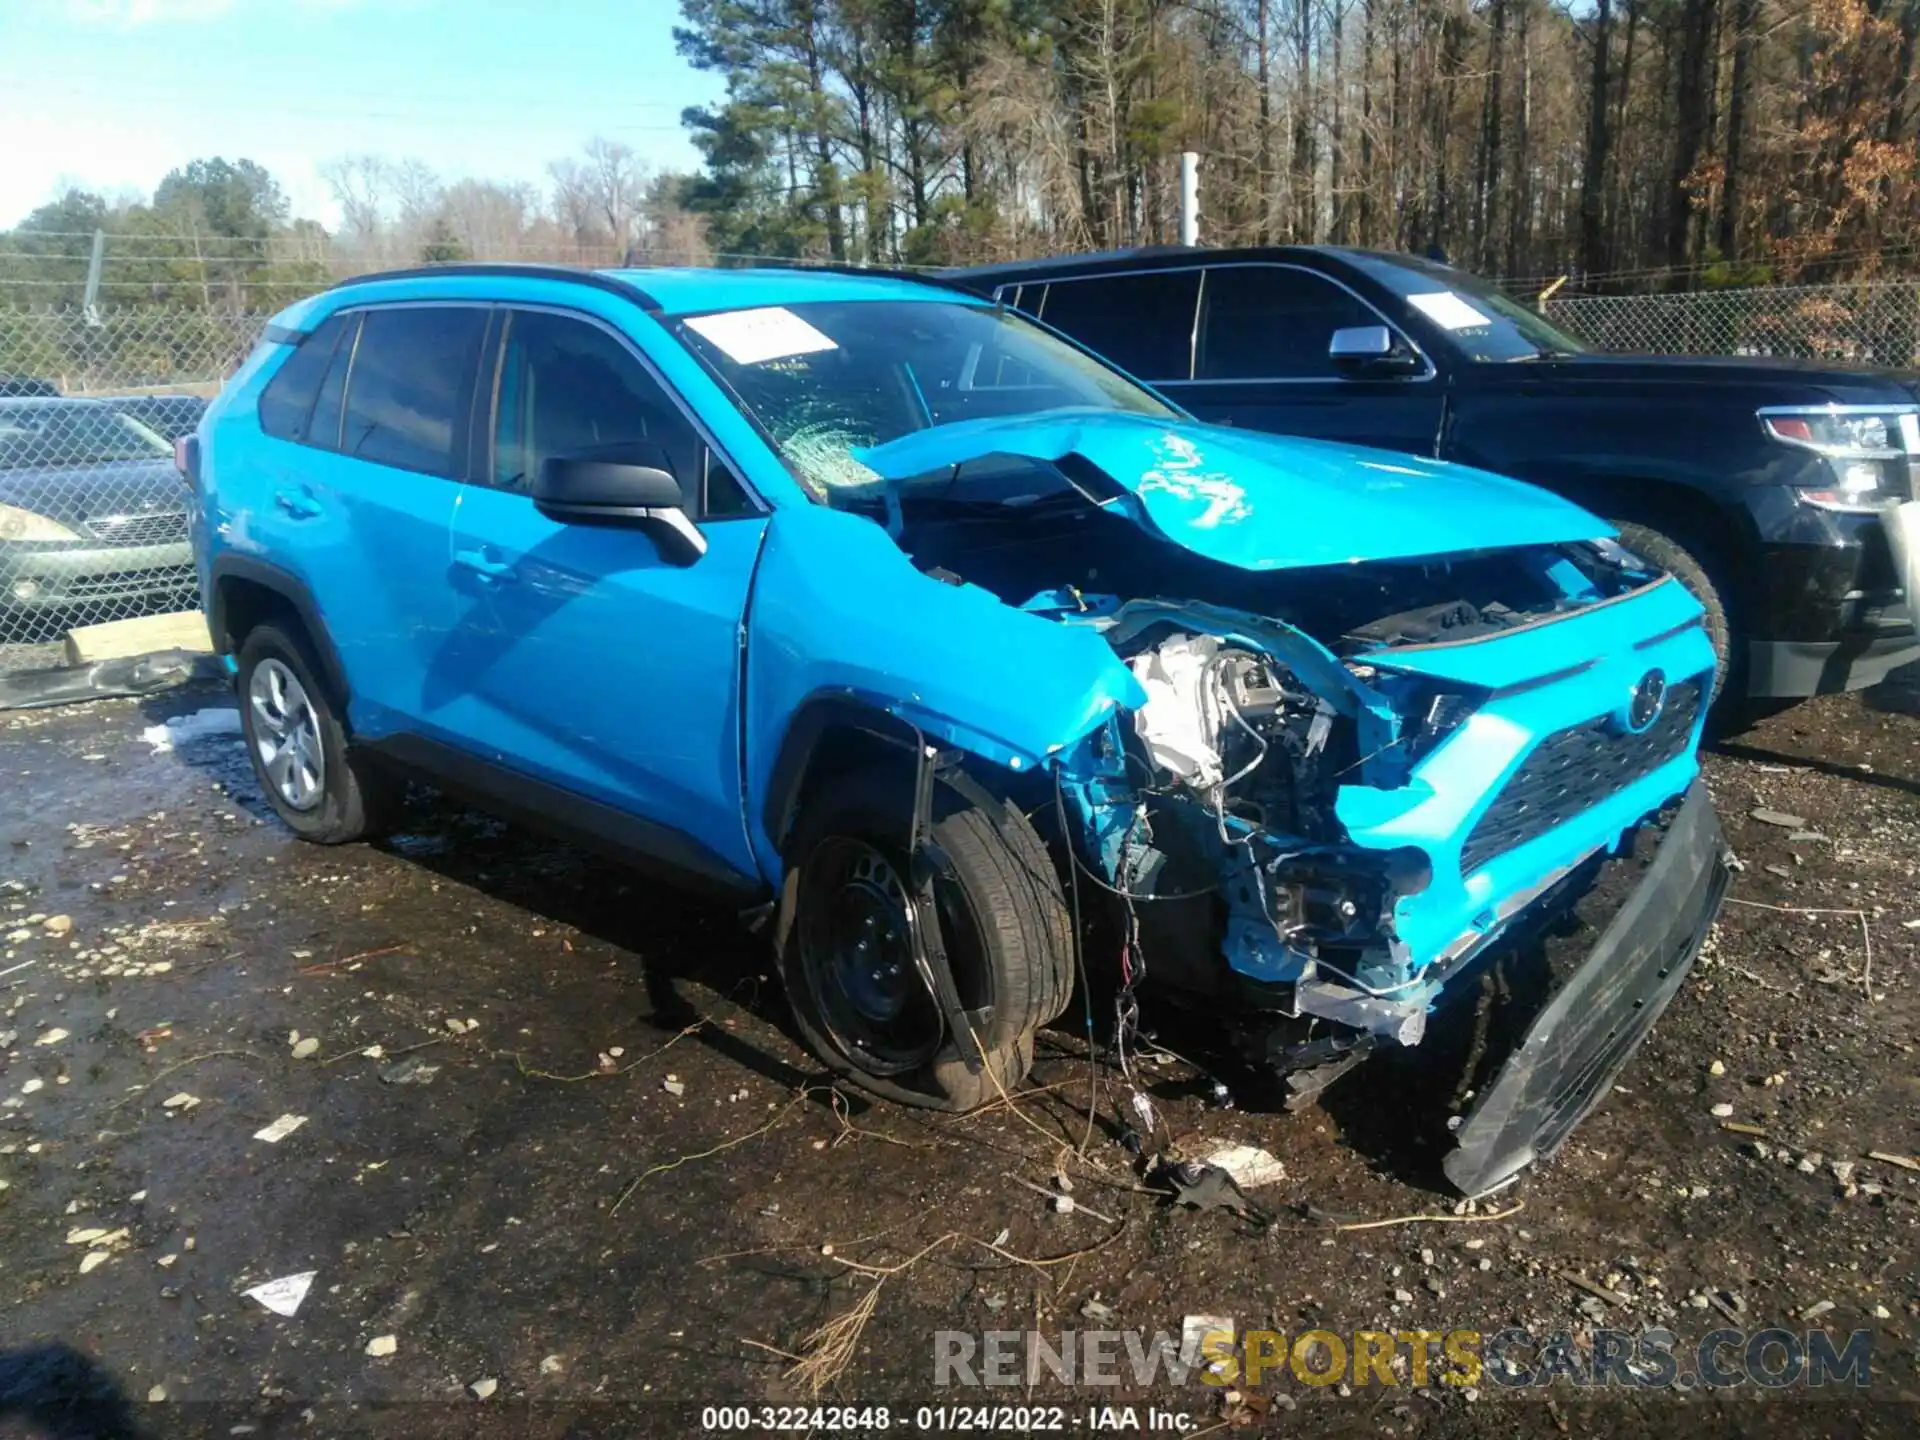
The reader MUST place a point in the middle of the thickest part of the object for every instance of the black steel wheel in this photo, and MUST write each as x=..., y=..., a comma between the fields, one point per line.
x=847, y=943
x=856, y=955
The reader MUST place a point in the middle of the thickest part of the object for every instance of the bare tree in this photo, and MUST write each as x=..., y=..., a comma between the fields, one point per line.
x=573, y=201
x=416, y=190
x=361, y=186
x=491, y=219
x=617, y=181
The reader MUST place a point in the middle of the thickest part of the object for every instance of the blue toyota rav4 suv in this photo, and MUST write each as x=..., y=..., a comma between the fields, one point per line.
x=895, y=614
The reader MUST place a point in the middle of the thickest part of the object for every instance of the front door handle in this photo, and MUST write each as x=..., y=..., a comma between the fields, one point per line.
x=300, y=503
x=483, y=566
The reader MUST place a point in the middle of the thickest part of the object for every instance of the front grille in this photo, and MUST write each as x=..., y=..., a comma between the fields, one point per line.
x=1575, y=769
x=159, y=527
x=118, y=582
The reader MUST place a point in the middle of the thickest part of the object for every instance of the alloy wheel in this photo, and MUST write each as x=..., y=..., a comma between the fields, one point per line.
x=286, y=735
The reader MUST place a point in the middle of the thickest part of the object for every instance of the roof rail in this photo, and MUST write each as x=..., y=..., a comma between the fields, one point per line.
x=595, y=279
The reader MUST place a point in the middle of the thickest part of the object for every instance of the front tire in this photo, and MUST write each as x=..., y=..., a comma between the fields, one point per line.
x=317, y=785
x=846, y=951
x=1694, y=565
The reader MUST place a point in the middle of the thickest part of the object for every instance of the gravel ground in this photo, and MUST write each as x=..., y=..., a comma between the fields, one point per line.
x=557, y=1166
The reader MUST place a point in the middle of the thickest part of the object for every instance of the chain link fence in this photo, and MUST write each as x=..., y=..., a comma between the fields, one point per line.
x=93, y=523
x=1861, y=324
x=93, y=515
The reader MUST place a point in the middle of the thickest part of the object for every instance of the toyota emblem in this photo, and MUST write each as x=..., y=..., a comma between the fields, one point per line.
x=1649, y=696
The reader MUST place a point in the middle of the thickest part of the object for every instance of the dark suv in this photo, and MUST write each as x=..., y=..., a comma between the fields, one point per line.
x=1779, y=491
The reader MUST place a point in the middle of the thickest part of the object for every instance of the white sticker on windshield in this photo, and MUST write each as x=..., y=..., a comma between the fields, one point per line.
x=752, y=337
x=1445, y=308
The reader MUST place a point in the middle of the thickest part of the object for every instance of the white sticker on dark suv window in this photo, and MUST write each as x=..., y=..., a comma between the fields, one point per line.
x=1447, y=309
x=752, y=337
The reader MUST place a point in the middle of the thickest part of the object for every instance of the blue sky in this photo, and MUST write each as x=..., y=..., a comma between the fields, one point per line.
x=112, y=94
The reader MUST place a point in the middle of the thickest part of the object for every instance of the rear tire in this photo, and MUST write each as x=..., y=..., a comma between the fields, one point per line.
x=307, y=769
x=846, y=954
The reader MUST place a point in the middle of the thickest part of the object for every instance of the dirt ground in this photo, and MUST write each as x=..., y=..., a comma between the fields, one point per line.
x=560, y=1149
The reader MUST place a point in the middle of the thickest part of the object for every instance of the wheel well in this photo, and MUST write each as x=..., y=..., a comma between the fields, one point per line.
x=1688, y=516
x=243, y=604
x=244, y=601
x=829, y=738
x=826, y=739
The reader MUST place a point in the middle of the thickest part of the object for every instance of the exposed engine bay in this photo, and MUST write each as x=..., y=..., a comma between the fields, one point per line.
x=1220, y=814
x=1215, y=809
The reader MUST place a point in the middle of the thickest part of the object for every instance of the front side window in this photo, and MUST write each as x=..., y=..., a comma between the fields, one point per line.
x=826, y=379
x=59, y=434
x=567, y=387
x=1143, y=323
x=1262, y=322
x=410, y=384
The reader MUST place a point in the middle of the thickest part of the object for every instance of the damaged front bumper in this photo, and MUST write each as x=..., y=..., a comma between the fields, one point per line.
x=1578, y=1043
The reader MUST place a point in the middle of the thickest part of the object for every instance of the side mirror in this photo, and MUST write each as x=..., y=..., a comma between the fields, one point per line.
x=1369, y=347
x=630, y=486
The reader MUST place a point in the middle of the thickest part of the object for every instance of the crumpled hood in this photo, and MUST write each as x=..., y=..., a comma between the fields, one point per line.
x=1262, y=502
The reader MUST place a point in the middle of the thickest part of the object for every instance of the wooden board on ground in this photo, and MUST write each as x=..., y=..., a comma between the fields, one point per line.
x=117, y=639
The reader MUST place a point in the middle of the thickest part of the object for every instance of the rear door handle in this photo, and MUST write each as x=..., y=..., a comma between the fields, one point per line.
x=300, y=503
x=483, y=566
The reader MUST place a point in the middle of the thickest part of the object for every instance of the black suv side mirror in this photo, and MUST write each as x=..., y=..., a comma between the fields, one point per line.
x=1370, y=348
x=630, y=486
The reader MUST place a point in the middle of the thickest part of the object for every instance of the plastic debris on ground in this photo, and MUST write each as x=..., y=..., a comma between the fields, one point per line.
x=1204, y=1336
x=409, y=1072
x=1200, y=1186
x=185, y=729
x=283, y=1296
x=280, y=1129
x=135, y=675
x=1249, y=1165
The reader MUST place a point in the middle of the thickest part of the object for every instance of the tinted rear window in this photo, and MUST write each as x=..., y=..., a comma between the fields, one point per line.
x=287, y=402
x=409, y=388
x=1143, y=323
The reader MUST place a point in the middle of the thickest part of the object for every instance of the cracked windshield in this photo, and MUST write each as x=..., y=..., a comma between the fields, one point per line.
x=829, y=379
